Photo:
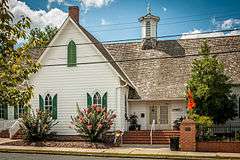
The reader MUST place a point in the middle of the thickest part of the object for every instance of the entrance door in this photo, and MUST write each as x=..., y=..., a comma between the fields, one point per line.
x=153, y=114
x=164, y=117
x=160, y=115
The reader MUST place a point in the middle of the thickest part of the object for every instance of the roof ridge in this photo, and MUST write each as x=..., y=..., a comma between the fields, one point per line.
x=168, y=40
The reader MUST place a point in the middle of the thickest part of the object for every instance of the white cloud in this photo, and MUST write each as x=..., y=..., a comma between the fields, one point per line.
x=197, y=33
x=164, y=9
x=230, y=23
x=95, y=3
x=104, y=22
x=39, y=18
x=86, y=4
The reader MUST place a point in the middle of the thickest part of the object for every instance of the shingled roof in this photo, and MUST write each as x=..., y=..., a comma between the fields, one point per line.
x=165, y=78
x=165, y=75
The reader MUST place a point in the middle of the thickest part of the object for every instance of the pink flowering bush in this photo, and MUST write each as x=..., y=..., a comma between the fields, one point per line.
x=93, y=121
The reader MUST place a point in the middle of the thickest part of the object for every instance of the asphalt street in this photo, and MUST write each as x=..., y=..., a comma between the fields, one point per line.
x=21, y=156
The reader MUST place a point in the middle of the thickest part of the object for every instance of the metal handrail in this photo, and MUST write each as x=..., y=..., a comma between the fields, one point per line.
x=14, y=128
x=153, y=126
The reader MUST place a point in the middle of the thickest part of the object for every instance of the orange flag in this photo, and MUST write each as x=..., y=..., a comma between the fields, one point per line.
x=191, y=103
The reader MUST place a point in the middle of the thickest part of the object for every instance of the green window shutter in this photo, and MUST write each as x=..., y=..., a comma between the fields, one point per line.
x=72, y=55
x=54, y=109
x=5, y=112
x=89, y=100
x=41, y=103
x=104, y=100
x=15, y=112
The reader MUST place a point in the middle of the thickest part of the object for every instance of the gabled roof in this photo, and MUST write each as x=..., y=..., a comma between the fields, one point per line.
x=166, y=78
x=37, y=53
x=106, y=54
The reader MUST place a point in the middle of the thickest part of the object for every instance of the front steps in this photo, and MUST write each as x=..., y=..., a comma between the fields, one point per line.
x=143, y=137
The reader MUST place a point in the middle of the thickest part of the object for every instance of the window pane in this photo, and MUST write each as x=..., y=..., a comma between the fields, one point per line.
x=97, y=99
x=153, y=114
x=148, y=29
x=48, y=102
x=163, y=115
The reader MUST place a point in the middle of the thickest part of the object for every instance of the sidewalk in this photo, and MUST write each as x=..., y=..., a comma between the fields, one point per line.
x=153, y=153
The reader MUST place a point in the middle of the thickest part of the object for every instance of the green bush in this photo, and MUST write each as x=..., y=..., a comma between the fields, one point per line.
x=92, y=122
x=36, y=126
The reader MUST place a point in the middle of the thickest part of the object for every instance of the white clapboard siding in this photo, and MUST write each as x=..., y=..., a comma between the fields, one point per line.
x=71, y=84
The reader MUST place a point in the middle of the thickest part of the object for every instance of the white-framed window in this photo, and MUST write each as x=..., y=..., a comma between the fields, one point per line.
x=18, y=111
x=163, y=115
x=148, y=29
x=48, y=102
x=2, y=112
x=153, y=114
x=97, y=99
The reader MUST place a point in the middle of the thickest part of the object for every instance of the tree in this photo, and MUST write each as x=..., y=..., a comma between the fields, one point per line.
x=42, y=37
x=211, y=88
x=16, y=65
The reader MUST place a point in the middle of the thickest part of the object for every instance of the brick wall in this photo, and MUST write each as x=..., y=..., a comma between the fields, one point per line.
x=233, y=147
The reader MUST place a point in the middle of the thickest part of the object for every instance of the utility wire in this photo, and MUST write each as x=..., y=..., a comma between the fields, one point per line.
x=185, y=47
x=134, y=22
x=138, y=39
x=160, y=24
x=147, y=59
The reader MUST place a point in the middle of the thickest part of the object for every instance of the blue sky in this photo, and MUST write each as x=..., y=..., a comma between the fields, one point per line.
x=176, y=16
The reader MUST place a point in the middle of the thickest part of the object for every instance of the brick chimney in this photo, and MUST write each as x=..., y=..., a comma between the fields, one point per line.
x=73, y=12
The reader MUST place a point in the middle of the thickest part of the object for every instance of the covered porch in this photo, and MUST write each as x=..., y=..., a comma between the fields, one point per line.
x=162, y=112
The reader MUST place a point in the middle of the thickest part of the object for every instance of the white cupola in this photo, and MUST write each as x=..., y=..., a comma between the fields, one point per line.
x=149, y=24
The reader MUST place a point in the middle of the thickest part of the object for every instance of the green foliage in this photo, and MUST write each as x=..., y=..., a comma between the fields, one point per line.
x=177, y=123
x=205, y=121
x=93, y=121
x=211, y=88
x=41, y=37
x=36, y=127
x=133, y=119
x=16, y=65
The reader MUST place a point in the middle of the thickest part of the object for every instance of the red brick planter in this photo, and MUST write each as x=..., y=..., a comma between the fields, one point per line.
x=213, y=146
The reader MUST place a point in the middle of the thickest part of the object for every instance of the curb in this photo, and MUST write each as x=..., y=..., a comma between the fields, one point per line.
x=163, y=155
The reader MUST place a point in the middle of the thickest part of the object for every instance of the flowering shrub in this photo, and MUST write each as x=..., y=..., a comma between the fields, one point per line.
x=36, y=126
x=91, y=122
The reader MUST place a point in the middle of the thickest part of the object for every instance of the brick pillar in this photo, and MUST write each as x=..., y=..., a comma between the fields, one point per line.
x=188, y=135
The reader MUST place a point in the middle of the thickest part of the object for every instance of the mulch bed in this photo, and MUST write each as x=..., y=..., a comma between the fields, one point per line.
x=65, y=144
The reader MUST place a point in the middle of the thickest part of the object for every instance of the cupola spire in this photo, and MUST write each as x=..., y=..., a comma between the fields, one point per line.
x=149, y=25
x=149, y=9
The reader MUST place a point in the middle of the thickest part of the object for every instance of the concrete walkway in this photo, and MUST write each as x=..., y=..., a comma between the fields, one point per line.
x=5, y=140
x=121, y=152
